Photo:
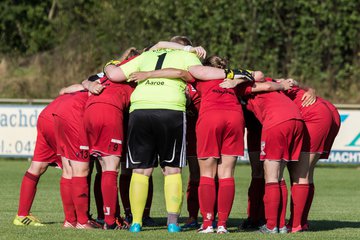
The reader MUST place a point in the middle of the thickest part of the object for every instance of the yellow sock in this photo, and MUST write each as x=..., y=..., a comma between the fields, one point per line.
x=173, y=193
x=139, y=187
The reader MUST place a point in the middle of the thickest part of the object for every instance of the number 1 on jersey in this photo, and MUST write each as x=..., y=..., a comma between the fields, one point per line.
x=160, y=61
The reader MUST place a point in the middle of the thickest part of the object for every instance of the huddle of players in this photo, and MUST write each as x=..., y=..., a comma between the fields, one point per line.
x=157, y=132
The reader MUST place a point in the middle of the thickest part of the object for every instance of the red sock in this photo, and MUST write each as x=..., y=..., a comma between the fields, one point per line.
x=27, y=193
x=283, y=203
x=299, y=194
x=124, y=184
x=98, y=196
x=80, y=197
x=255, y=209
x=271, y=203
x=149, y=198
x=207, y=197
x=309, y=200
x=67, y=201
x=109, y=192
x=225, y=199
x=192, y=199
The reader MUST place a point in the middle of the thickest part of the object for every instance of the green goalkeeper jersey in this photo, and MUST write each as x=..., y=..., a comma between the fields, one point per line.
x=160, y=93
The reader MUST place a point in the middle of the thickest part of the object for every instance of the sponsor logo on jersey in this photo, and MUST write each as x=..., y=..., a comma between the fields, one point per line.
x=225, y=91
x=154, y=83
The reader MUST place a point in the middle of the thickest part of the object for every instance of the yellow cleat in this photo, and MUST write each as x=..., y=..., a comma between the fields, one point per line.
x=27, y=221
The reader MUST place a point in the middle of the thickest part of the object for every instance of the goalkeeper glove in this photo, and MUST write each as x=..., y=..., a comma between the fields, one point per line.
x=239, y=73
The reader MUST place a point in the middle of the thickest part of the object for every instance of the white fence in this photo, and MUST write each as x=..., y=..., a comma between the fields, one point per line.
x=18, y=119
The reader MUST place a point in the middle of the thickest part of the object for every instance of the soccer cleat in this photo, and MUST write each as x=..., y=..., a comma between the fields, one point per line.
x=100, y=221
x=27, y=221
x=209, y=229
x=221, y=230
x=305, y=227
x=149, y=222
x=115, y=226
x=296, y=229
x=69, y=224
x=283, y=230
x=174, y=227
x=89, y=225
x=135, y=227
x=265, y=230
x=190, y=223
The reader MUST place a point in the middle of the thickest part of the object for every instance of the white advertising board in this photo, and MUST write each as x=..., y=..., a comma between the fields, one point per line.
x=18, y=133
x=18, y=129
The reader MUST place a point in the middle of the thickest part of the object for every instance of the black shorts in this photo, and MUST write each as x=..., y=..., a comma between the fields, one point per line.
x=156, y=135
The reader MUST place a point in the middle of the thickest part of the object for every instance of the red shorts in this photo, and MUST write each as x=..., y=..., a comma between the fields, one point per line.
x=104, y=129
x=334, y=130
x=283, y=141
x=71, y=139
x=220, y=132
x=318, y=123
x=45, y=147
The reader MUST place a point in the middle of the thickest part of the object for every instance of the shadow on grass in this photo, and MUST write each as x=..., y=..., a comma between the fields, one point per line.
x=315, y=225
x=325, y=225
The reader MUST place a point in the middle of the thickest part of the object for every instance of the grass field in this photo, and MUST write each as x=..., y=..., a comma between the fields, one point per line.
x=335, y=213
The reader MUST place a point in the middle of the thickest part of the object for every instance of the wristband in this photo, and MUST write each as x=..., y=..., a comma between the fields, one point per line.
x=187, y=48
x=229, y=74
x=112, y=62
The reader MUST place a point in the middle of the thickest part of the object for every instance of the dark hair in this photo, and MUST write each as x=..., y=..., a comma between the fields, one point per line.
x=216, y=61
x=183, y=40
x=128, y=53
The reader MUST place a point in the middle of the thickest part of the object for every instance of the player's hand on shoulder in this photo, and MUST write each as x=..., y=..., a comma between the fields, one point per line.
x=199, y=51
x=309, y=97
x=287, y=84
x=96, y=88
x=138, y=76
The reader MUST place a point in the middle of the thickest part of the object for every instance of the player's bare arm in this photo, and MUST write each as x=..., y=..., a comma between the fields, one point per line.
x=199, y=50
x=71, y=89
x=172, y=73
x=114, y=73
x=309, y=96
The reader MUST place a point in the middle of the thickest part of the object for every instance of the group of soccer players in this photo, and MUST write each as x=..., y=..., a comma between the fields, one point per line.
x=166, y=100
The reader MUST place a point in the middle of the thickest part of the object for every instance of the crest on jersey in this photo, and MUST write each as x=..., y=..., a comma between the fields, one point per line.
x=262, y=153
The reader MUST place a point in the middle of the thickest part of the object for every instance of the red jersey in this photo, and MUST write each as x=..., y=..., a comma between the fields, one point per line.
x=270, y=108
x=116, y=94
x=295, y=94
x=72, y=105
x=216, y=98
x=49, y=109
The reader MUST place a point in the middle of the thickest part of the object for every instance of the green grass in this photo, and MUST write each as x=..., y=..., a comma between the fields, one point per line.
x=335, y=213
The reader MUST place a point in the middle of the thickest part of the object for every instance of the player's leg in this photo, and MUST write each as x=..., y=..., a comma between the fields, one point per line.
x=141, y=160
x=226, y=193
x=124, y=185
x=272, y=195
x=97, y=192
x=207, y=192
x=27, y=194
x=192, y=196
x=139, y=187
x=109, y=187
x=66, y=195
x=147, y=220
